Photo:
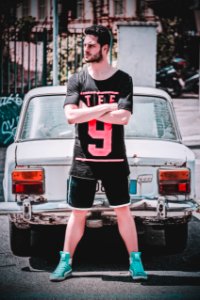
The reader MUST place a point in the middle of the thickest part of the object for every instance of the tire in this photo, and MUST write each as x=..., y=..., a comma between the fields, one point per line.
x=19, y=240
x=47, y=240
x=175, y=89
x=176, y=237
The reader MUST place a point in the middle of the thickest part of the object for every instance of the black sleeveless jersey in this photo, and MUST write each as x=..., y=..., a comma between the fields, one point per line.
x=99, y=147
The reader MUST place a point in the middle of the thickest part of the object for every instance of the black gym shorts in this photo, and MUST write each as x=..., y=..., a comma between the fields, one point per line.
x=81, y=192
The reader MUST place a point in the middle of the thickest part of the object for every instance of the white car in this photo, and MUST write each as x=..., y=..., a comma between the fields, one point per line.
x=162, y=183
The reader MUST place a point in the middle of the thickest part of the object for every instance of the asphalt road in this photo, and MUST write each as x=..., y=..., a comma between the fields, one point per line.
x=102, y=274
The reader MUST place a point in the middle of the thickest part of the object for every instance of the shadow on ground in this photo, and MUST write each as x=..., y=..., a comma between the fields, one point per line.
x=102, y=249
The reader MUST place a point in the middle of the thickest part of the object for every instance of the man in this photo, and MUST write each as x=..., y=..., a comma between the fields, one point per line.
x=99, y=102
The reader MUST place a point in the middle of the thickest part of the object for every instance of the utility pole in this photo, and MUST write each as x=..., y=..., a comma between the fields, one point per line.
x=55, y=42
x=197, y=17
x=94, y=11
x=196, y=8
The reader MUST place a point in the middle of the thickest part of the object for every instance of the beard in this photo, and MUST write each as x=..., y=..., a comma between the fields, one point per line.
x=95, y=58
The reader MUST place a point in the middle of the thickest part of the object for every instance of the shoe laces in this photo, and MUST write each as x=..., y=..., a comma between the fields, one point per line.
x=61, y=267
x=137, y=265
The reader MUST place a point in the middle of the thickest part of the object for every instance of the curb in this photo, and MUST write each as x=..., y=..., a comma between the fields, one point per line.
x=191, y=141
x=192, y=144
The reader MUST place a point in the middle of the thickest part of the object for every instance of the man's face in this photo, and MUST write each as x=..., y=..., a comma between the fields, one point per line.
x=92, y=49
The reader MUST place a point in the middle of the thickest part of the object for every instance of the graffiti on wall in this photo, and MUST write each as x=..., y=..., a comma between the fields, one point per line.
x=10, y=107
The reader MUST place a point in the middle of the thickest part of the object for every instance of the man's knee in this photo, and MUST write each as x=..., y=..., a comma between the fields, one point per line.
x=122, y=211
x=81, y=214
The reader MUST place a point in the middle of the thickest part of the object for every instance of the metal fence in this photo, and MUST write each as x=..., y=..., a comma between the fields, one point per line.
x=23, y=60
x=23, y=65
x=26, y=58
x=70, y=53
x=26, y=61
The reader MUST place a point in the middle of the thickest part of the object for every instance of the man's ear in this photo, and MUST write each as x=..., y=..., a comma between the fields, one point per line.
x=106, y=48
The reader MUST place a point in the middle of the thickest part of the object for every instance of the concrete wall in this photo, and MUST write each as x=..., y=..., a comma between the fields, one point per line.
x=137, y=48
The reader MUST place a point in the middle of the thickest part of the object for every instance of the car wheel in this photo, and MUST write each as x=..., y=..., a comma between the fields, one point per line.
x=19, y=240
x=47, y=241
x=176, y=237
x=175, y=90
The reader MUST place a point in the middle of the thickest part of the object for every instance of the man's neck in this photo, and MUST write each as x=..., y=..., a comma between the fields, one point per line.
x=101, y=71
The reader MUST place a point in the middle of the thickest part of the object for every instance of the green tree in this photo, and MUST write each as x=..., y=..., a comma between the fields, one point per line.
x=168, y=40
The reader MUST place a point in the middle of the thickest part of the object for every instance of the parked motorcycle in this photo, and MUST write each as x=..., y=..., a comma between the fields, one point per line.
x=167, y=79
x=191, y=84
x=178, y=78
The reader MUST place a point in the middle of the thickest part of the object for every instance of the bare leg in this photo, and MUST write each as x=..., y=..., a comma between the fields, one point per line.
x=74, y=230
x=127, y=228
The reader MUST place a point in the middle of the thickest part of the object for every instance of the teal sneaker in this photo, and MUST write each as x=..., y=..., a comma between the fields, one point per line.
x=136, y=268
x=63, y=269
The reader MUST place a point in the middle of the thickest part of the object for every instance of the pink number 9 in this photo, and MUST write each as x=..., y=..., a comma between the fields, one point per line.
x=105, y=135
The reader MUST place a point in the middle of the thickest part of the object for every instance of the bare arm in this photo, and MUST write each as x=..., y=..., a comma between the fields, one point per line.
x=75, y=114
x=120, y=117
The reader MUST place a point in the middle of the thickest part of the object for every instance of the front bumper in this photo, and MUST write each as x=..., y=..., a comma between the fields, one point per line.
x=153, y=211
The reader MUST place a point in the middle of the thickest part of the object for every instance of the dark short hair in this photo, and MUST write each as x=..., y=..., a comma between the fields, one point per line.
x=101, y=32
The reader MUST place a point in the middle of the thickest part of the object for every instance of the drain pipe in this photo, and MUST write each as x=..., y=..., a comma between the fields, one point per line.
x=55, y=42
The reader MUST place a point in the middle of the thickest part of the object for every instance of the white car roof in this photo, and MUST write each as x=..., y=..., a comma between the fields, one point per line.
x=61, y=89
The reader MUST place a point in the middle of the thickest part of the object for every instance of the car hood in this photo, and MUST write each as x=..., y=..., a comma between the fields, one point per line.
x=139, y=152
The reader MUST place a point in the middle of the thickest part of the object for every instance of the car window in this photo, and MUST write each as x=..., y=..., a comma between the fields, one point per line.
x=151, y=118
x=45, y=119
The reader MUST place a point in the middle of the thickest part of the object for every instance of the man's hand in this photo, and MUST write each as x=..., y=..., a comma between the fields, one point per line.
x=83, y=113
x=105, y=107
x=112, y=106
x=119, y=116
x=82, y=105
x=110, y=113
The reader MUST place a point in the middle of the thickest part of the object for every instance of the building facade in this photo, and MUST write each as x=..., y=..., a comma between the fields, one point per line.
x=107, y=12
x=78, y=14
x=41, y=10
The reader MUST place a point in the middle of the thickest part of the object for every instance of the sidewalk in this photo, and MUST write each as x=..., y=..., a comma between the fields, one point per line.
x=188, y=115
x=187, y=111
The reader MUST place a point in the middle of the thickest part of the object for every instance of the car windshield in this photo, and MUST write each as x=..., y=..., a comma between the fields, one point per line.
x=45, y=119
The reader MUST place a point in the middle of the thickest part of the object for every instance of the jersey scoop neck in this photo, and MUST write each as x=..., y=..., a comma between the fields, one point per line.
x=103, y=80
